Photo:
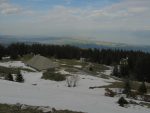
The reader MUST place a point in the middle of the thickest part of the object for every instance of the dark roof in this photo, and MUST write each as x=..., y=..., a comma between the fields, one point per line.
x=41, y=63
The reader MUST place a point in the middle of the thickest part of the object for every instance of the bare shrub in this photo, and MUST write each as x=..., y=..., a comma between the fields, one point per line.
x=72, y=80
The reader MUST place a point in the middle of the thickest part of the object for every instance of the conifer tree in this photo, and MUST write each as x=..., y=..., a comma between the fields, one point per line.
x=142, y=89
x=124, y=70
x=19, y=78
x=122, y=102
x=115, y=71
x=127, y=88
x=9, y=77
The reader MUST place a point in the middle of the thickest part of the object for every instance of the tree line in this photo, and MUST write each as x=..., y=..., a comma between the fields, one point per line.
x=138, y=61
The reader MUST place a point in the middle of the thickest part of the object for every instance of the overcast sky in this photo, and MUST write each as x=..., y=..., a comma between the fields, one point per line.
x=125, y=21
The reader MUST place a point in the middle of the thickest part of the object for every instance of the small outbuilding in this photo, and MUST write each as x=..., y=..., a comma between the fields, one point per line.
x=41, y=63
x=82, y=60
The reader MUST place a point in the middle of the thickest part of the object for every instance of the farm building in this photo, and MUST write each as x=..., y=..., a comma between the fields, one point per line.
x=124, y=61
x=40, y=63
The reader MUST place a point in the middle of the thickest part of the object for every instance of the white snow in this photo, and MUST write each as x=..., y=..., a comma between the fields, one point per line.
x=58, y=95
x=109, y=71
x=62, y=71
x=5, y=58
x=78, y=66
x=63, y=64
x=15, y=64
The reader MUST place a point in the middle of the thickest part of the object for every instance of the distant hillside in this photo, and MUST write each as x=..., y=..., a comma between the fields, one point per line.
x=83, y=43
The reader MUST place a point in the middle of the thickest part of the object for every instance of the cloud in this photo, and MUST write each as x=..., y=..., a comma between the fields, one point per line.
x=113, y=22
x=126, y=15
x=68, y=1
x=7, y=8
x=137, y=9
x=37, y=0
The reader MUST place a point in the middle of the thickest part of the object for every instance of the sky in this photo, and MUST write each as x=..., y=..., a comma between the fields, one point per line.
x=120, y=21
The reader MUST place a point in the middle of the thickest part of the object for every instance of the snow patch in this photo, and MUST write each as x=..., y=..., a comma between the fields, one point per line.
x=63, y=64
x=15, y=64
x=77, y=66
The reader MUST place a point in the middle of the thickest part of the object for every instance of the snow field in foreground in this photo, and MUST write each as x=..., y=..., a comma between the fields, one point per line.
x=58, y=95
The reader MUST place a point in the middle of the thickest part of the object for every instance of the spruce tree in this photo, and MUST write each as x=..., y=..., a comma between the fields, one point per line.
x=90, y=68
x=19, y=78
x=115, y=71
x=142, y=89
x=122, y=102
x=124, y=71
x=127, y=88
x=9, y=77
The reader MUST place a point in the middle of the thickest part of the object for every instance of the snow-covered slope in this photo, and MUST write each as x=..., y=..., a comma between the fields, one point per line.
x=15, y=64
x=36, y=91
